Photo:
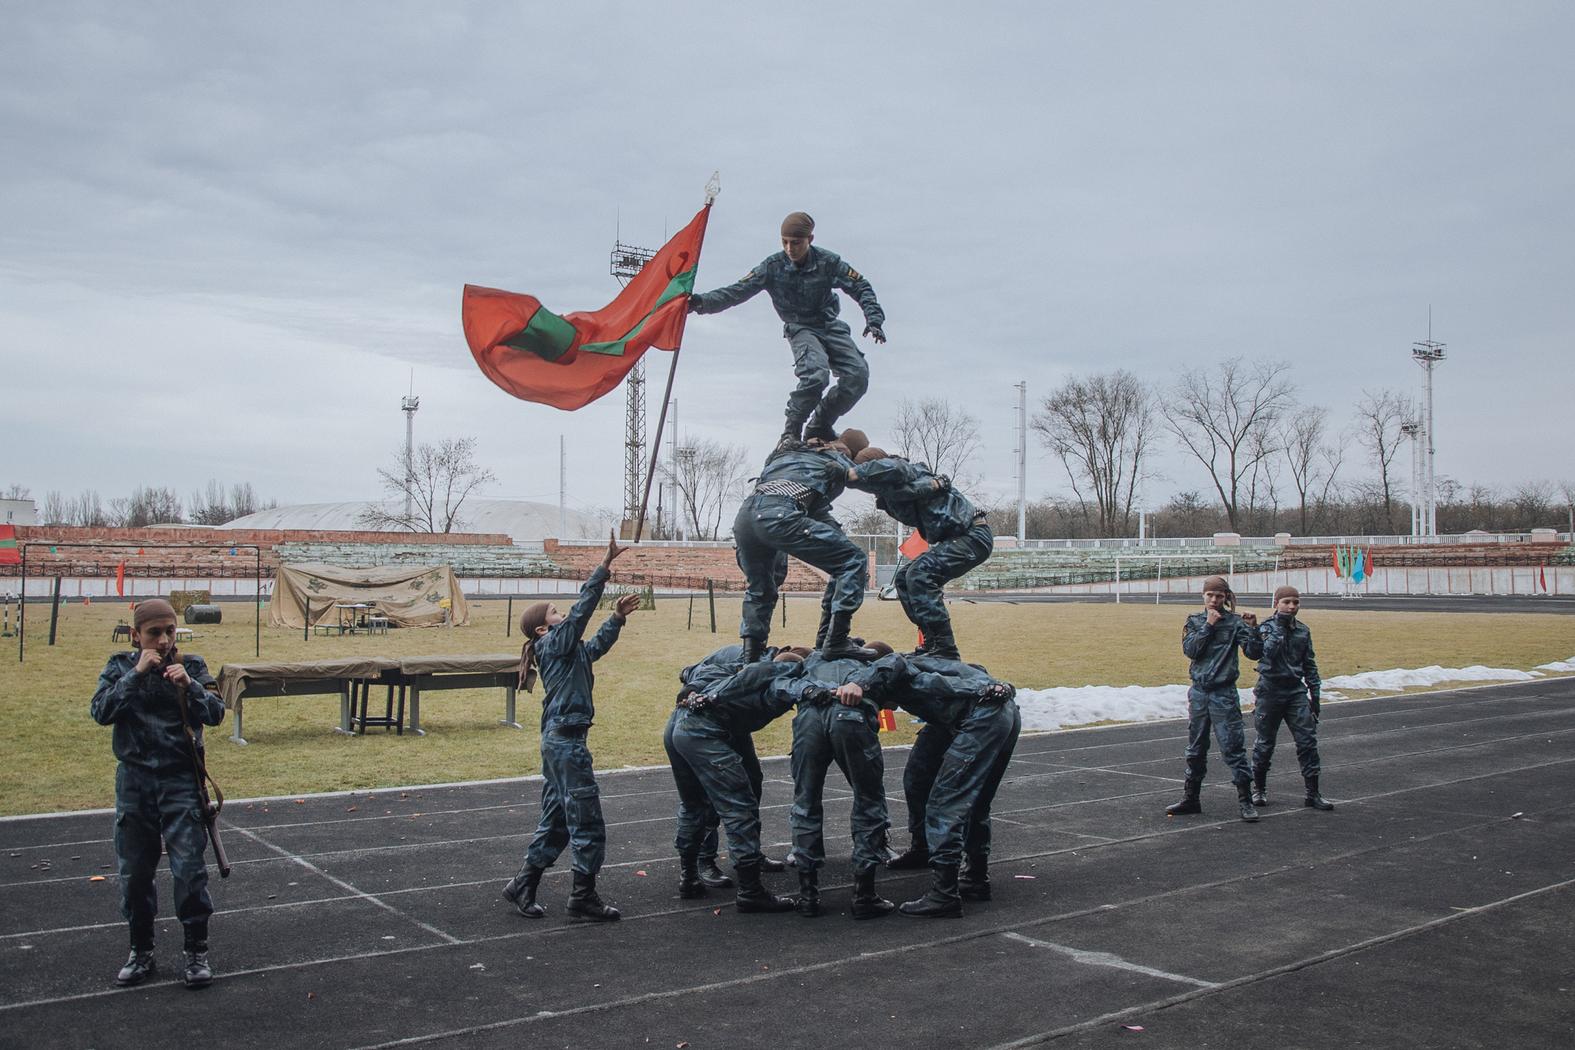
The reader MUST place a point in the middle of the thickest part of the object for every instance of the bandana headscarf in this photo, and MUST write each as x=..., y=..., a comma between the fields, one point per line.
x=151, y=609
x=533, y=617
x=798, y=224
x=1219, y=583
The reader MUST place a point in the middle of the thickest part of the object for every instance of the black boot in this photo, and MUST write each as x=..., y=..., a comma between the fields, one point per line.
x=196, y=973
x=792, y=432
x=520, y=891
x=837, y=645
x=713, y=876
x=753, y=897
x=140, y=965
x=1244, y=801
x=824, y=628
x=867, y=904
x=808, y=893
x=1313, y=799
x=754, y=649
x=939, y=643
x=772, y=867
x=915, y=857
x=973, y=883
x=1189, y=800
x=1260, y=786
x=820, y=428
x=586, y=904
x=689, y=884
x=941, y=900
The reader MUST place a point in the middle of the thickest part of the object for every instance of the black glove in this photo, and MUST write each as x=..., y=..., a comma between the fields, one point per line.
x=818, y=696
x=997, y=692
x=1315, y=703
x=874, y=332
x=944, y=482
x=694, y=305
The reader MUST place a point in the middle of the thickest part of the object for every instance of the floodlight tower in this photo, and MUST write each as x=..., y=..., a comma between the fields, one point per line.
x=1413, y=433
x=1428, y=354
x=1022, y=461
x=627, y=260
x=408, y=405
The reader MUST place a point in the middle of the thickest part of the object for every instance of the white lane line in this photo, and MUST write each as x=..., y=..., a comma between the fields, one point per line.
x=1279, y=971
x=1114, y=962
x=347, y=887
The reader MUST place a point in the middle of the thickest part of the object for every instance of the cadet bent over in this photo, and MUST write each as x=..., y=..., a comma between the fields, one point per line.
x=156, y=794
x=982, y=716
x=846, y=733
x=955, y=529
x=1287, y=691
x=789, y=513
x=711, y=775
x=571, y=809
x=1210, y=640
x=802, y=281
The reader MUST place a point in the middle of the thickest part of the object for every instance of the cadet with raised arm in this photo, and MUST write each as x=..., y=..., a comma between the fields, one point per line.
x=803, y=281
x=1287, y=691
x=958, y=536
x=1210, y=640
x=157, y=800
x=571, y=809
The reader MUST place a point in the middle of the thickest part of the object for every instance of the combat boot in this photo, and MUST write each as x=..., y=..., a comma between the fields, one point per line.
x=520, y=891
x=754, y=650
x=772, y=867
x=197, y=973
x=808, y=893
x=1260, y=786
x=140, y=965
x=586, y=904
x=820, y=428
x=867, y=904
x=837, y=645
x=1314, y=800
x=689, y=884
x=753, y=897
x=1244, y=801
x=792, y=432
x=914, y=858
x=939, y=643
x=1189, y=800
x=941, y=900
x=713, y=876
x=973, y=883
x=824, y=628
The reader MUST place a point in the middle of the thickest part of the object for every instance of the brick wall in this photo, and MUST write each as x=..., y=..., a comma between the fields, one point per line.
x=653, y=562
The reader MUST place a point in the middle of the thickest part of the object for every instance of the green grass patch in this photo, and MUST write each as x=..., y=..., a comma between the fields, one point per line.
x=53, y=756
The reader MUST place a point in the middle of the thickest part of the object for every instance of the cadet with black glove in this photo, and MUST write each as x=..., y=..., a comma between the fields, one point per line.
x=1287, y=691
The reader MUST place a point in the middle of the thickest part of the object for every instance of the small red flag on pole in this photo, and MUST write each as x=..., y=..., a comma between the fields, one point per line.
x=888, y=720
x=913, y=546
x=1542, y=576
x=120, y=579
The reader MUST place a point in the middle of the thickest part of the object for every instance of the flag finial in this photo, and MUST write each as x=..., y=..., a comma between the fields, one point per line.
x=713, y=187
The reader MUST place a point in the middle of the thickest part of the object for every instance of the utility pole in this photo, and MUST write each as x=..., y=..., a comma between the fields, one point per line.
x=408, y=405
x=1022, y=461
x=1428, y=354
x=563, y=486
x=1413, y=433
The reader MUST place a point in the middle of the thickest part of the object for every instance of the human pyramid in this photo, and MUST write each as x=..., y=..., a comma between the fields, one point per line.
x=158, y=700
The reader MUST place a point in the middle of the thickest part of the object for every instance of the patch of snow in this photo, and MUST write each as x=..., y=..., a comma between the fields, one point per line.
x=1071, y=706
x=1411, y=678
x=1565, y=666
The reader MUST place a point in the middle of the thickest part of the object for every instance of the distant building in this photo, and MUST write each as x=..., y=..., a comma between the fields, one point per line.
x=18, y=512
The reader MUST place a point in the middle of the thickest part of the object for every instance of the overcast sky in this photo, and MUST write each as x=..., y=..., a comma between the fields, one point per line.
x=228, y=234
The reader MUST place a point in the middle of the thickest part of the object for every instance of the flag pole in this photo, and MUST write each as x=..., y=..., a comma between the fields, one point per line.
x=712, y=188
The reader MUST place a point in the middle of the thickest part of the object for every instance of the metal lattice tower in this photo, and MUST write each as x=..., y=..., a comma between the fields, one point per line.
x=627, y=260
x=1428, y=354
x=1412, y=430
x=408, y=405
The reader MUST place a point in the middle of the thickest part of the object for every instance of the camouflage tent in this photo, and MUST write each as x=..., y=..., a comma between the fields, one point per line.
x=408, y=595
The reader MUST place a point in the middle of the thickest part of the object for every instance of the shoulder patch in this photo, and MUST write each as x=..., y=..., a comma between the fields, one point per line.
x=854, y=275
x=746, y=277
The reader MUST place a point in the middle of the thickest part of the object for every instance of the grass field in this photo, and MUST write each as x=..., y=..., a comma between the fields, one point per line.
x=54, y=757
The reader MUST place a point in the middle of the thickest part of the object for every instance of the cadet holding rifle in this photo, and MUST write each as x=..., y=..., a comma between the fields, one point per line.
x=158, y=700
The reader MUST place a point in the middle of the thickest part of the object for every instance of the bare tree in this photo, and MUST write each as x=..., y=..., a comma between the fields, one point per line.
x=87, y=510
x=1378, y=419
x=1312, y=464
x=1215, y=413
x=15, y=491
x=1101, y=428
x=1567, y=491
x=935, y=432
x=440, y=479
x=709, y=476
x=57, y=509
x=146, y=506
x=1533, y=504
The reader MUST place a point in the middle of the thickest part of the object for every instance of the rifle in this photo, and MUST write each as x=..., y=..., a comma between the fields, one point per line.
x=211, y=807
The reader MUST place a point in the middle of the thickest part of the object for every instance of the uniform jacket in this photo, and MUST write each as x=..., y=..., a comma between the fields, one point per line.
x=1288, y=661
x=907, y=492
x=1212, y=648
x=939, y=691
x=753, y=696
x=564, y=661
x=822, y=471
x=803, y=296
x=145, y=711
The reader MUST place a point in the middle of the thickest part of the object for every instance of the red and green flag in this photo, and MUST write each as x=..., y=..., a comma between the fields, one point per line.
x=10, y=554
x=570, y=360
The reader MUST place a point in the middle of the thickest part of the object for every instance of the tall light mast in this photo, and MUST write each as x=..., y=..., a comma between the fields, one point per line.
x=1428, y=354
x=1022, y=461
x=408, y=405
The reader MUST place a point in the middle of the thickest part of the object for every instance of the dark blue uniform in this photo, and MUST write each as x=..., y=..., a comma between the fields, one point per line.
x=805, y=299
x=948, y=521
x=156, y=789
x=708, y=769
x=1287, y=691
x=571, y=809
x=1213, y=704
x=789, y=513
x=850, y=737
x=721, y=664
